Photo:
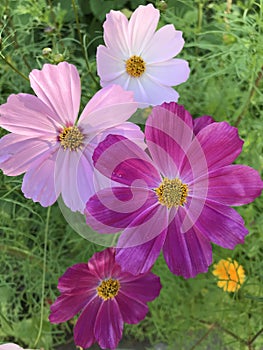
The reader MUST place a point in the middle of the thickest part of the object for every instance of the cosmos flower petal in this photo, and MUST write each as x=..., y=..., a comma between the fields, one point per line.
x=66, y=172
x=59, y=88
x=148, y=91
x=132, y=310
x=113, y=209
x=121, y=160
x=115, y=67
x=188, y=253
x=102, y=263
x=168, y=135
x=108, y=329
x=112, y=96
x=116, y=33
x=221, y=225
x=134, y=287
x=26, y=115
x=142, y=25
x=171, y=73
x=221, y=149
x=10, y=346
x=233, y=185
x=18, y=153
x=164, y=45
x=39, y=182
x=202, y=122
x=70, y=281
x=145, y=253
x=84, y=329
x=67, y=306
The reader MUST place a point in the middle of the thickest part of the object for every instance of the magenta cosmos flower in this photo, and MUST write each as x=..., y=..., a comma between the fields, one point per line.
x=178, y=197
x=107, y=296
x=139, y=58
x=49, y=143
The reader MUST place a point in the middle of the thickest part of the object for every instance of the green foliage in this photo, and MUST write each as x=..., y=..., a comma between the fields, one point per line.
x=224, y=47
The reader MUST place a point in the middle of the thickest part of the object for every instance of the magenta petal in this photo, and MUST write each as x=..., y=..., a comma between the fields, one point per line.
x=133, y=310
x=84, y=329
x=102, y=263
x=39, y=181
x=234, y=185
x=136, y=287
x=18, y=153
x=169, y=134
x=59, y=88
x=140, y=259
x=26, y=114
x=109, y=325
x=221, y=149
x=221, y=225
x=113, y=209
x=67, y=306
x=188, y=253
x=78, y=279
x=123, y=161
x=202, y=122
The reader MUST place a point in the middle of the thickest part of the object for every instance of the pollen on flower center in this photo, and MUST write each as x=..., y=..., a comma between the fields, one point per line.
x=71, y=137
x=172, y=193
x=135, y=66
x=108, y=289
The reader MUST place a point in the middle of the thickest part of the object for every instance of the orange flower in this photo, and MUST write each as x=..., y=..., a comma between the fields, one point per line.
x=230, y=274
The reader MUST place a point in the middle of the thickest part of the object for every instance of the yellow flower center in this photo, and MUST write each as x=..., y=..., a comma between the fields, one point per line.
x=108, y=289
x=172, y=193
x=71, y=137
x=135, y=66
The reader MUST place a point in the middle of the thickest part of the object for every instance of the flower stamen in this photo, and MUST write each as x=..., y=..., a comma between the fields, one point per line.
x=172, y=193
x=135, y=66
x=71, y=137
x=108, y=289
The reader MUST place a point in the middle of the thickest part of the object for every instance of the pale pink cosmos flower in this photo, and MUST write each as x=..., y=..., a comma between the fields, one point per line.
x=139, y=58
x=10, y=346
x=50, y=144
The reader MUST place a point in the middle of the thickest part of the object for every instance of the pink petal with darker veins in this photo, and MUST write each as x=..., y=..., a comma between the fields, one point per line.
x=18, y=153
x=39, y=181
x=132, y=310
x=202, y=122
x=27, y=115
x=59, y=88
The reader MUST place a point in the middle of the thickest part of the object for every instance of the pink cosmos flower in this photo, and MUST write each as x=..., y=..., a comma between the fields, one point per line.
x=139, y=58
x=106, y=296
x=10, y=346
x=177, y=195
x=49, y=143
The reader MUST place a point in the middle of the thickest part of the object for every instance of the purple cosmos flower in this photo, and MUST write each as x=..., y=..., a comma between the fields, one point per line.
x=107, y=296
x=49, y=143
x=139, y=58
x=177, y=198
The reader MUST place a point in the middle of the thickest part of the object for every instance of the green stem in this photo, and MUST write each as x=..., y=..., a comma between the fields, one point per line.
x=203, y=337
x=251, y=94
x=13, y=67
x=43, y=278
x=82, y=42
